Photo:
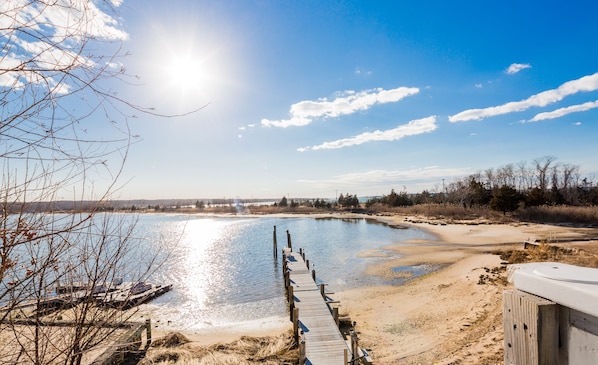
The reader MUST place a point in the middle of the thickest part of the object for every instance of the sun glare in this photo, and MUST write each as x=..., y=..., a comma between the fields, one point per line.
x=185, y=72
x=187, y=67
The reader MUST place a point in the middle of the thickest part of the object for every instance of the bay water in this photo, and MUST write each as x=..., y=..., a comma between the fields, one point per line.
x=224, y=273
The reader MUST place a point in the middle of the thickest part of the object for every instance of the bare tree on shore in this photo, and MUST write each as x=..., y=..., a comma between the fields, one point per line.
x=57, y=59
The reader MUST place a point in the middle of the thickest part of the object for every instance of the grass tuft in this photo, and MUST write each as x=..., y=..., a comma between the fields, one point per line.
x=175, y=349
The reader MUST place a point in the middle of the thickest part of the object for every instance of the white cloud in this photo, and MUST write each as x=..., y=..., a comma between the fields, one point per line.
x=414, y=127
x=479, y=86
x=48, y=34
x=584, y=84
x=349, y=102
x=516, y=67
x=564, y=111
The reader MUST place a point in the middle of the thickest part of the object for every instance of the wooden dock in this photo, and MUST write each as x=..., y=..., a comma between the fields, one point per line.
x=315, y=319
x=321, y=341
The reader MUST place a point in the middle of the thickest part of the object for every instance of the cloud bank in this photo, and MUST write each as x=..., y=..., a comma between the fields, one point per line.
x=304, y=112
x=412, y=128
x=383, y=177
x=584, y=84
x=564, y=111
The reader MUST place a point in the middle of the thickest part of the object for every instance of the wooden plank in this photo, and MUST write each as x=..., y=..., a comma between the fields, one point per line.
x=531, y=329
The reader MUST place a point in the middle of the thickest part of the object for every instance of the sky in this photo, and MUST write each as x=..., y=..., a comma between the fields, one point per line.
x=310, y=99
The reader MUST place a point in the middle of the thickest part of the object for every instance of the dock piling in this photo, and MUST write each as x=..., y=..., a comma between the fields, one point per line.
x=274, y=244
x=295, y=314
x=289, y=243
x=354, y=344
x=302, y=351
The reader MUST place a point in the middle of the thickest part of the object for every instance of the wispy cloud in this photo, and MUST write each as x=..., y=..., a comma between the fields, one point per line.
x=564, y=111
x=349, y=102
x=516, y=67
x=396, y=177
x=584, y=84
x=412, y=128
x=359, y=72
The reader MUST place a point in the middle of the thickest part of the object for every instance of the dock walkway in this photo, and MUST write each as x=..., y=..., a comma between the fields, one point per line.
x=324, y=343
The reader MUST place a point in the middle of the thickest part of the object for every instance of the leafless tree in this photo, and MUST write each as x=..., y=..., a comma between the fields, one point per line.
x=542, y=166
x=523, y=177
x=57, y=58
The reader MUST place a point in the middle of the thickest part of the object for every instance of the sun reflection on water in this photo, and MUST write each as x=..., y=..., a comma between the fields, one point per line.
x=224, y=274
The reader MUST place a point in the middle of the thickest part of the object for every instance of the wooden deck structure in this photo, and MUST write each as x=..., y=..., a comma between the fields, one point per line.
x=317, y=332
x=315, y=319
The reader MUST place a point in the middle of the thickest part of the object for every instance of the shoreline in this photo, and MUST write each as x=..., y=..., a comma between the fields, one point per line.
x=444, y=316
x=449, y=315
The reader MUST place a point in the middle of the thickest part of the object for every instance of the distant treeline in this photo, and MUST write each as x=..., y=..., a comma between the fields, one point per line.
x=544, y=182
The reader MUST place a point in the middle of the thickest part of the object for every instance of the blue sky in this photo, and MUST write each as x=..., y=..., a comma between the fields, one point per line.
x=315, y=98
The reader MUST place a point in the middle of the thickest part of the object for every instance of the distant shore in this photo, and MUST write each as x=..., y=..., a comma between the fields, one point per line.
x=448, y=316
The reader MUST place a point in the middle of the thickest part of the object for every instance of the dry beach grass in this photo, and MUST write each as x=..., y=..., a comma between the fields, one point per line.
x=175, y=348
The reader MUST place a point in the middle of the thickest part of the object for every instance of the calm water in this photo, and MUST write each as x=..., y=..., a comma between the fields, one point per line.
x=224, y=272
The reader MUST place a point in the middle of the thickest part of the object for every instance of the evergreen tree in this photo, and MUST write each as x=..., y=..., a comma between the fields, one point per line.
x=505, y=199
x=283, y=202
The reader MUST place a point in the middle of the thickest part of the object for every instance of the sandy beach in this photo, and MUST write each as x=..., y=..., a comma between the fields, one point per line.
x=452, y=315
x=449, y=316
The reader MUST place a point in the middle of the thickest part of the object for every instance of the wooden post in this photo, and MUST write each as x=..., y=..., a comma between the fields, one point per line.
x=275, y=244
x=322, y=291
x=335, y=315
x=307, y=263
x=291, y=300
x=313, y=274
x=290, y=245
x=148, y=329
x=531, y=328
x=287, y=279
x=354, y=346
x=296, y=323
x=302, y=352
x=346, y=353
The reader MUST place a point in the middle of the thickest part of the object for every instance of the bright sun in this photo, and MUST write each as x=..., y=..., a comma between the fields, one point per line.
x=188, y=67
x=186, y=72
